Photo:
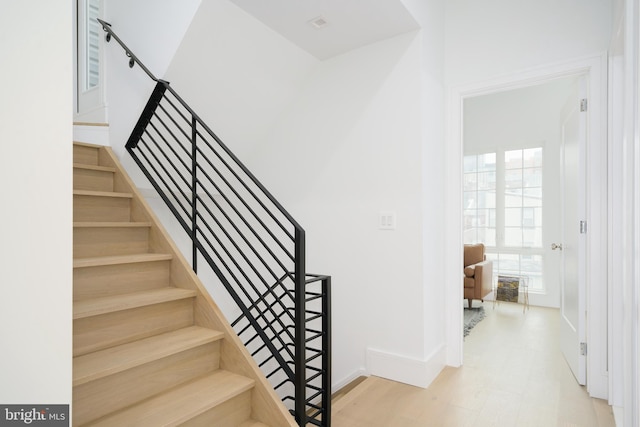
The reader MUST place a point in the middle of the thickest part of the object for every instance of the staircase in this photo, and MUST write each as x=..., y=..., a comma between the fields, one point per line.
x=150, y=346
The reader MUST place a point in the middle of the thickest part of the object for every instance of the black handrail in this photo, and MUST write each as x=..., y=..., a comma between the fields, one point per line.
x=252, y=244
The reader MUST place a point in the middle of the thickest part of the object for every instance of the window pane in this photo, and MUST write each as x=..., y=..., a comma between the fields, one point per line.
x=513, y=178
x=471, y=235
x=482, y=217
x=486, y=199
x=470, y=200
x=470, y=218
x=532, y=157
x=513, y=198
x=486, y=180
x=487, y=162
x=513, y=159
x=532, y=237
x=532, y=177
x=513, y=237
x=532, y=197
x=513, y=217
x=470, y=181
x=509, y=264
x=487, y=236
x=470, y=163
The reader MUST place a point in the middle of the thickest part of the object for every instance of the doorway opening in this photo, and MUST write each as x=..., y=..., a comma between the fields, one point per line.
x=595, y=295
x=511, y=168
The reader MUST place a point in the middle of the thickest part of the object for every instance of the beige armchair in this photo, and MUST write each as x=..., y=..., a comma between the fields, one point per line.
x=478, y=273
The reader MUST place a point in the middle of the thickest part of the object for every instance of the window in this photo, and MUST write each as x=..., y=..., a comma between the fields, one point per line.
x=92, y=44
x=480, y=199
x=503, y=209
x=523, y=198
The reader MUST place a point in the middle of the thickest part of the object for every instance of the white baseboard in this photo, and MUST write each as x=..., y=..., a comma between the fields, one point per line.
x=618, y=415
x=348, y=379
x=419, y=373
x=98, y=135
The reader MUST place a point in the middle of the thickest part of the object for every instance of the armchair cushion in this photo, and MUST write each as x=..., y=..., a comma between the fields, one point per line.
x=470, y=270
x=473, y=254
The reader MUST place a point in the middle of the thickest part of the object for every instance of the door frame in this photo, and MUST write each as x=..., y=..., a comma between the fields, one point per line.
x=594, y=68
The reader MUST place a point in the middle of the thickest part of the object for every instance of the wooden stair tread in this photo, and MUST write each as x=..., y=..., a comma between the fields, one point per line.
x=86, y=144
x=98, y=224
x=94, y=167
x=102, y=194
x=181, y=403
x=111, y=304
x=119, y=259
x=93, y=366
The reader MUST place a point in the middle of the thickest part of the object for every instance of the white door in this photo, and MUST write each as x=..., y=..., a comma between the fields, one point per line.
x=571, y=247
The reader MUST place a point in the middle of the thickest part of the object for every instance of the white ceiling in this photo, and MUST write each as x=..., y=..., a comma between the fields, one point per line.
x=351, y=23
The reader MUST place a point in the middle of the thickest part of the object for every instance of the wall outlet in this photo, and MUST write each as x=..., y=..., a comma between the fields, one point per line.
x=387, y=220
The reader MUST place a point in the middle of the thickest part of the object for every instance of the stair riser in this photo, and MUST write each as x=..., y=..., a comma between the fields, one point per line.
x=107, y=330
x=98, y=209
x=85, y=155
x=94, y=242
x=94, y=180
x=228, y=414
x=100, y=397
x=101, y=281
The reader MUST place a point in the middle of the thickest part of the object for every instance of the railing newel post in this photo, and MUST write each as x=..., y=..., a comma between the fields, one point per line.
x=326, y=351
x=194, y=194
x=300, y=329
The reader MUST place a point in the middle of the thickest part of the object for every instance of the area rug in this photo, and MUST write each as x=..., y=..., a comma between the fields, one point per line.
x=472, y=316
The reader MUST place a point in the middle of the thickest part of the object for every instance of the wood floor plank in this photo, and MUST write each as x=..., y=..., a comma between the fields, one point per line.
x=513, y=374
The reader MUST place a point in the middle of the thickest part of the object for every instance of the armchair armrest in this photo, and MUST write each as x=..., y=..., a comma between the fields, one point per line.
x=484, y=278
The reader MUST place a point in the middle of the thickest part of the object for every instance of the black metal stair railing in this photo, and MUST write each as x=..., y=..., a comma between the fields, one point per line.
x=254, y=246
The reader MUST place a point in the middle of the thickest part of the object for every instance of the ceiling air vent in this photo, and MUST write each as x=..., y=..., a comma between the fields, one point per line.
x=318, y=23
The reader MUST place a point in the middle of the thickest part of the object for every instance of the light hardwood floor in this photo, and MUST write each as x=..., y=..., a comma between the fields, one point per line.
x=513, y=375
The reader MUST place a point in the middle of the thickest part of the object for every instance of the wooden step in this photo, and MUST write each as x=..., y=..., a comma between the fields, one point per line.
x=93, y=177
x=94, y=239
x=103, y=276
x=97, y=365
x=114, y=303
x=99, y=332
x=101, y=206
x=221, y=399
x=118, y=259
x=112, y=379
x=86, y=154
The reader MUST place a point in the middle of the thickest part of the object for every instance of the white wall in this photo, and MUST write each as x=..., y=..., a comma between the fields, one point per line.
x=525, y=118
x=496, y=37
x=237, y=74
x=430, y=15
x=36, y=171
x=153, y=30
x=346, y=149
